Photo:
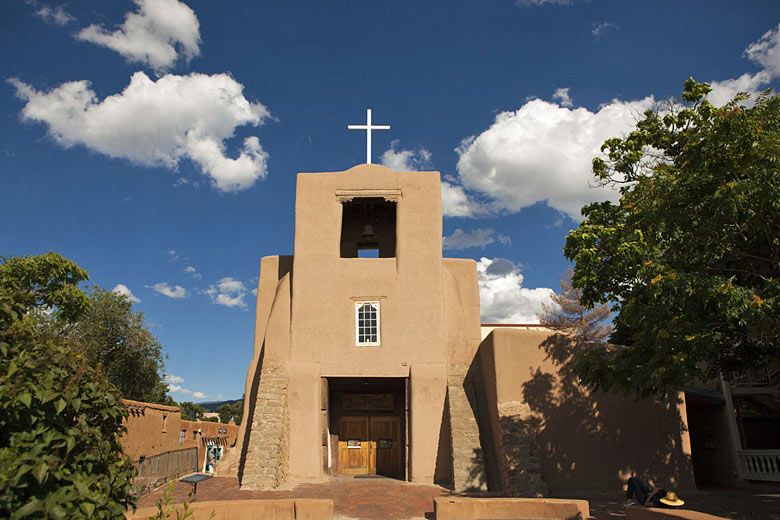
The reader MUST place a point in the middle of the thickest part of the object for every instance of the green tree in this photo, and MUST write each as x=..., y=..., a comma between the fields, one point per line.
x=231, y=411
x=60, y=419
x=689, y=259
x=191, y=411
x=47, y=282
x=102, y=323
x=116, y=337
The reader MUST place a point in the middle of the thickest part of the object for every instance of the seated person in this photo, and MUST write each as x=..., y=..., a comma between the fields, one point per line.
x=640, y=493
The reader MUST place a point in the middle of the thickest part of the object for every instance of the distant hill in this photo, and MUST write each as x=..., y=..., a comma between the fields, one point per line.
x=212, y=406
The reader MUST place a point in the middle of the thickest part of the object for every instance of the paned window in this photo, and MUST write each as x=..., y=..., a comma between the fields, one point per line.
x=182, y=436
x=367, y=323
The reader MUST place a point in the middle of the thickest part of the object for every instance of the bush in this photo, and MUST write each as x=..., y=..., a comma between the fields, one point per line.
x=60, y=423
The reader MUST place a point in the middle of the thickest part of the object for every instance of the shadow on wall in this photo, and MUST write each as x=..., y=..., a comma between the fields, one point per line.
x=477, y=472
x=443, y=472
x=595, y=440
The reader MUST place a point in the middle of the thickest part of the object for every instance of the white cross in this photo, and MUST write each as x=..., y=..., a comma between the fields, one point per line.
x=368, y=127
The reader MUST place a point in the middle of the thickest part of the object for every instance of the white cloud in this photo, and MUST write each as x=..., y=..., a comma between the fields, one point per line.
x=157, y=123
x=228, y=292
x=598, y=28
x=541, y=152
x=153, y=35
x=54, y=15
x=475, y=238
x=504, y=239
x=177, y=291
x=193, y=272
x=126, y=292
x=764, y=52
x=561, y=95
x=724, y=91
x=174, y=388
x=405, y=160
x=455, y=202
x=502, y=297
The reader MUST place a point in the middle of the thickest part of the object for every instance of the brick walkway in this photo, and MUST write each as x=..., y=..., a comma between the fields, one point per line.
x=393, y=499
x=369, y=498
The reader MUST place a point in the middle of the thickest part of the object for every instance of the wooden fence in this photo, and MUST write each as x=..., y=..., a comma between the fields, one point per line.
x=153, y=471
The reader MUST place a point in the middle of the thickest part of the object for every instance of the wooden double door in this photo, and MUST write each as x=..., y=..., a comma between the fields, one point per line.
x=370, y=445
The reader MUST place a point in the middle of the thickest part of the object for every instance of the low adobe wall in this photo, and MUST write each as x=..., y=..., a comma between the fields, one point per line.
x=514, y=508
x=151, y=429
x=284, y=509
x=651, y=513
x=581, y=440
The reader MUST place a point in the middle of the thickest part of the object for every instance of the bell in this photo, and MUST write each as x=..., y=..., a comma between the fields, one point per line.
x=368, y=234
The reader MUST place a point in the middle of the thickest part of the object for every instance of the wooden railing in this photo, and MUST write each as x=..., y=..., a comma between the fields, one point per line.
x=758, y=377
x=760, y=464
x=153, y=471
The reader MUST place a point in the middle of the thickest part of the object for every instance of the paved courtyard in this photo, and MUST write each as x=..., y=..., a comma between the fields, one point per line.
x=737, y=504
x=375, y=498
x=367, y=498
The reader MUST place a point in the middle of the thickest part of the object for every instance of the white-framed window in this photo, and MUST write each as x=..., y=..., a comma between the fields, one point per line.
x=366, y=324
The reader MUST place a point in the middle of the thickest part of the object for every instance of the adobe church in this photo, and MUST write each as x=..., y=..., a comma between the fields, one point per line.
x=369, y=360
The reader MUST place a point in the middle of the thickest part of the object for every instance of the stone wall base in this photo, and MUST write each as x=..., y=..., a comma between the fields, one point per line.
x=267, y=459
x=521, y=469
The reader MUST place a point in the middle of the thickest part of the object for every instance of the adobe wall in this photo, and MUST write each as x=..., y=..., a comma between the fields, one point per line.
x=305, y=325
x=253, y=509
x=272, y=270
x=461, y=310
x=207, y=429
x=469, y=508
x=585, y=440
x=145, y=435
x=271, y=292
x=408, y=287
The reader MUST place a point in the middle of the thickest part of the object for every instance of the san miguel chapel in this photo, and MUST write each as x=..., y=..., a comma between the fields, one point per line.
x=370, y=359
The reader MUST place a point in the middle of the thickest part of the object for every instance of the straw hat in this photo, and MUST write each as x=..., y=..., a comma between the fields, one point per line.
x=671, y=499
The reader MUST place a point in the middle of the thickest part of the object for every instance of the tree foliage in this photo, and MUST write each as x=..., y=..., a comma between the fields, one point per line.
x=689, y=259
x=233, y=411
x=116, y=337
x=60, y=419
x=101, y=323
x=191, y=411
x=588, y=326
x=46, y=282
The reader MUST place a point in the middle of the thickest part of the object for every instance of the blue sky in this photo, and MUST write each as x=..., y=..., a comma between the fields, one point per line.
x=156, y=142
